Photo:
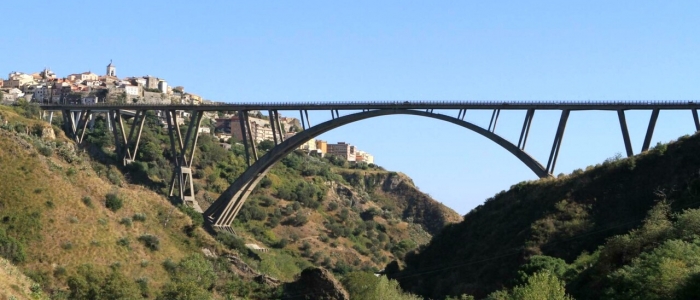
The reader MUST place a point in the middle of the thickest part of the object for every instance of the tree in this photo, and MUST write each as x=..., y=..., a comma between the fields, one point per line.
x=93, y=283
x=360, y=285
x=539, y=263
x=542, y=285
x=266, y=145
x=29, y=110
x=663, y=273
x=192, y=279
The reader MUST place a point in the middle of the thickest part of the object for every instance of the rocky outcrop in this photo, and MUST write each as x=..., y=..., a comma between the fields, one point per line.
x=315, y=283
x=48, y=133
x=414, y=205
x=418, y=206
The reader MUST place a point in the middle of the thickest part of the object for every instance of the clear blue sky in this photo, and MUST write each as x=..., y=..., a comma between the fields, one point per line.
x=395, y=50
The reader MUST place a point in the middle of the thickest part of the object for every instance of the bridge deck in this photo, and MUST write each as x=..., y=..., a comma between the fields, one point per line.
x=504, y=105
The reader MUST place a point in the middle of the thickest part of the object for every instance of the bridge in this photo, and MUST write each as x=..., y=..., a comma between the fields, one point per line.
x=223, y=211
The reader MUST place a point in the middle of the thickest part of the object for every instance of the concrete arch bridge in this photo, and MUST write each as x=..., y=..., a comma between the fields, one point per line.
x=223, y=211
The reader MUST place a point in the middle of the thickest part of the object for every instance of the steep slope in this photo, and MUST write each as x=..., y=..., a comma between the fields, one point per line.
x=15, y=285
x=76, y=228
x=78, y=224
x=307, y=211
x=336, y=217
x=396, y=191
x=562, y=218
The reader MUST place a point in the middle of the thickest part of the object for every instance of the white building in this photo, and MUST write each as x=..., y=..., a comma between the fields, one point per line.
x=206, y=130
x=362, y=156
x=163, y=86
x=13, y=94
x=309, y=145
x=131, y=91
x=41, y=93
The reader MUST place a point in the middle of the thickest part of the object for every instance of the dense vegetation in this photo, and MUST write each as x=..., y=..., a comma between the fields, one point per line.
x=587, y=230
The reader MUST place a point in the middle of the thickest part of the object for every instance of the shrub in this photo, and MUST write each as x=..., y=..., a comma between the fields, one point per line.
x=11, y=249
x=67, y=245
x=267, y=201
x=232, y=242
x=301, y=219
x=169, y=265
x=332, y=206
x=113, y=202
x=323, y=237
x=139, y=217
x=126, y=221
x=113, y=176
x=150, y=241
x=124, y=242
x=45, y=151
x=87, y=201
x=281, y=243
x=197, y=218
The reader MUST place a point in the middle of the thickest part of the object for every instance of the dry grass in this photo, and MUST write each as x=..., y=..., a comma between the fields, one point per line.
x=67, y=233
x=13, y=283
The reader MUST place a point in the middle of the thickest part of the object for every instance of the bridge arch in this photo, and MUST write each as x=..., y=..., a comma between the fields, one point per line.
x=222, y=212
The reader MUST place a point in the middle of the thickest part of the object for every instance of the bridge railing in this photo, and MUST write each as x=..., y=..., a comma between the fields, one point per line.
x=295, y=105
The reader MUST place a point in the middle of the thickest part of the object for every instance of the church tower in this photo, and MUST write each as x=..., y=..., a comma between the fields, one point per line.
x=111, y=69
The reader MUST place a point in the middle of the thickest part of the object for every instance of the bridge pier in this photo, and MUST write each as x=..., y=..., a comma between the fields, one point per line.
x=526, y=129
x=695, y=118
x=304, y=121
x=247, y=136
x=183, y=153
x=557, y=141
x=650, y=129
x=276, y=126
x=625, y=133
x=494, y=119
x=83, y=122
x=462, y=113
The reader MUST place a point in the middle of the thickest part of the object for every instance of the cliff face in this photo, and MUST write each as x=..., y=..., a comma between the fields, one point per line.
x=397, y=191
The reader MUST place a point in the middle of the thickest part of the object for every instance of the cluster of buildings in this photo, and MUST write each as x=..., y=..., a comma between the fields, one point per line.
x=88, y=87
x=341, y=149
x=229, y=127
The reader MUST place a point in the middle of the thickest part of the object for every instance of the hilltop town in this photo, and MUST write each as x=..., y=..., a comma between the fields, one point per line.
x=90, y=88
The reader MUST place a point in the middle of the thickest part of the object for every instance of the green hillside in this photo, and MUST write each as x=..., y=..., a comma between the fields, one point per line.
x=593, y=230
x=307, y=211
x=79, y=230
x=80, y=226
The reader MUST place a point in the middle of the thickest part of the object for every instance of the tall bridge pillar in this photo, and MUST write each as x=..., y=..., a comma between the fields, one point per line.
x=123, y=142
x=183, y=151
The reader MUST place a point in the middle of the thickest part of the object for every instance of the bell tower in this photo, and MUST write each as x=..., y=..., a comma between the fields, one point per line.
x=111, y=69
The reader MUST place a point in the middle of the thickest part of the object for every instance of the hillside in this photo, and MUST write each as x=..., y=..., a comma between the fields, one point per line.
x=324, y=212
x=79, y=230
x=80, y=226
x=586, y=227
x=307, y=211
